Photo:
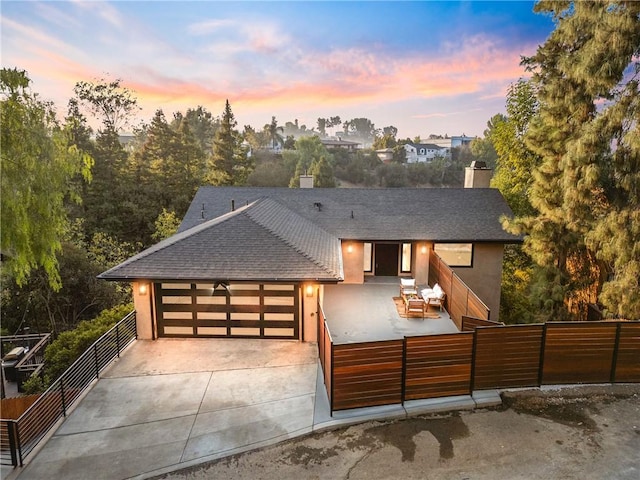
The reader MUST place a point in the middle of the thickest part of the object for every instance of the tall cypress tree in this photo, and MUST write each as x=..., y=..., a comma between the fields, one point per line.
x=586, y=191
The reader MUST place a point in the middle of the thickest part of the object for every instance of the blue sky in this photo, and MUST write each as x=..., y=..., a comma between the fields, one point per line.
x=424, y=67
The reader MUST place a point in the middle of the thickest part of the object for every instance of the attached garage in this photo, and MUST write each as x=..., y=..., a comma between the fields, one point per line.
x=240, y=310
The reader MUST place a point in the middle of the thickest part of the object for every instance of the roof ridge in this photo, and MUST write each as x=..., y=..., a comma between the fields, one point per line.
x=268, y=201
x=177, y=237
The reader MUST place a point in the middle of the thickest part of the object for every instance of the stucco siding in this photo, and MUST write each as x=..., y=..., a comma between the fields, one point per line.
x=485, y=277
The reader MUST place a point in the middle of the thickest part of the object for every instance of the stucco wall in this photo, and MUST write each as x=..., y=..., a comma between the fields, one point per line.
x=142, y=303
x=485, y=278
x=309, y=317
x=353, y=261
x=420, y=265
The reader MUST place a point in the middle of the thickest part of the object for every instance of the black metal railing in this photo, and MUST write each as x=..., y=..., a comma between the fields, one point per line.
x=19, y=437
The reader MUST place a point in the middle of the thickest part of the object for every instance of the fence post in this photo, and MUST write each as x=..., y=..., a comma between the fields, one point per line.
x=474, y=346
x=118, y=339
x=64, y=404
x=542, y=347
x=404, y=369
x=95, y=357
x=614, y=360
x=13, y=444
x=332, y=382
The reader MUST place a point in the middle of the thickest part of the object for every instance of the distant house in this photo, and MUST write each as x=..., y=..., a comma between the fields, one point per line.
x=385, y=154
x=452, y=142
x=339, y=143
x=424, y=152
x=253, y=262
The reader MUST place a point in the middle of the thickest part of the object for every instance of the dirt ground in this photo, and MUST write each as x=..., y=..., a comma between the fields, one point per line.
x=589, y=432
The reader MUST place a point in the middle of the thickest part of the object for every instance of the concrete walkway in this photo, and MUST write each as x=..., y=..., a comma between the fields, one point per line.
x=172, y=403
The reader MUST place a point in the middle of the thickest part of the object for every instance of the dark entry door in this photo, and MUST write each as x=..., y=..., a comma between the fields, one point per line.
x=386, y=256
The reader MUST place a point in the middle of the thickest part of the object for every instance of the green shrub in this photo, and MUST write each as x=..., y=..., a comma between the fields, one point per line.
x=69, y=345
x=33, y=385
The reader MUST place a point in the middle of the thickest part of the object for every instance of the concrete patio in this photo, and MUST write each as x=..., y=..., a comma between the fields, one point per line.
x=367, y=312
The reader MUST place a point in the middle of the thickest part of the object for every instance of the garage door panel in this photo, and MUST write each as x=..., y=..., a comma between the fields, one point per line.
x=244, y=310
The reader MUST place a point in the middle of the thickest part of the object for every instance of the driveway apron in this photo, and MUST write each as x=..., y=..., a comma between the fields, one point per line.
x=172, y=403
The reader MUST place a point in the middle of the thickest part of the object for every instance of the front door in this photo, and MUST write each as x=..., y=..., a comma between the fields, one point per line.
x=386, y=257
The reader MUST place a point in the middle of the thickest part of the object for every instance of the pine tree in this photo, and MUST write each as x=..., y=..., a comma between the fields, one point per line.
x=230, y=163
x=586, y=192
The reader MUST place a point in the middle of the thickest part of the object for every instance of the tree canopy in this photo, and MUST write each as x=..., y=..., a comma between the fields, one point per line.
x=585, y=230
x=38, y=167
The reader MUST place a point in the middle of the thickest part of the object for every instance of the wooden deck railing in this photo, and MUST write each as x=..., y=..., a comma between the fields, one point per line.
x=461, y=300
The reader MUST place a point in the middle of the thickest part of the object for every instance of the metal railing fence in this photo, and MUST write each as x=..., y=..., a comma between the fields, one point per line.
x=19, y=437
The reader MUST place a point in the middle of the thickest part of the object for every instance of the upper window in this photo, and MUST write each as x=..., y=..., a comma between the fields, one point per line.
x=455, y=254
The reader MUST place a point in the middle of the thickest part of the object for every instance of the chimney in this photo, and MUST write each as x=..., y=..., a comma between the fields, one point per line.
x=478, y=175
x=306, y=181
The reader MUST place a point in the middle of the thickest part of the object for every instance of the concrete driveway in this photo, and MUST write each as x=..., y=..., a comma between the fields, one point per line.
x=170, y=404
x=177, y=402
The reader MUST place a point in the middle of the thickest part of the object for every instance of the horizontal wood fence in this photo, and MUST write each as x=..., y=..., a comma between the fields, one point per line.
x=438, y=365
x=469, y=324
x=366, y=374
x=460, y=299
x=486, y=356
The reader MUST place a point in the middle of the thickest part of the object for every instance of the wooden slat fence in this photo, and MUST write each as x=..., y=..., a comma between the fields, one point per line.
x=438, y=365
x=488, y=356
x=366, y=374
x=627, y=367
x=469, y=324
x=507, y=357
x=325, y=350
x=461, y=300
x=578, y=352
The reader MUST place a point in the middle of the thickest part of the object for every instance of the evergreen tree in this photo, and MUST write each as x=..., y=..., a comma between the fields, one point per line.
x=515, y=162
x=230, y=163
x=323, y=174
x=586, y=192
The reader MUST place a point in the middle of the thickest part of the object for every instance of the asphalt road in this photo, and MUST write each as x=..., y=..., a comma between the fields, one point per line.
x=580, y=433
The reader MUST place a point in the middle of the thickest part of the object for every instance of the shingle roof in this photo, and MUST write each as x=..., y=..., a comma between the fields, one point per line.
x=440, y=215
x=430, y=146
x=261, y=241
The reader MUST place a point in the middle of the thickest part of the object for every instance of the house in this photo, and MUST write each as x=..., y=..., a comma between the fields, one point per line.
x=253, y=262
x=330, y=143
x=385, y=154
x=424, y=152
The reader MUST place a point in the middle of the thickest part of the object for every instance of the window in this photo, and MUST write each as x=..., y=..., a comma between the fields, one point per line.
x=455, y=254
x=405, y=265
x=367, y=257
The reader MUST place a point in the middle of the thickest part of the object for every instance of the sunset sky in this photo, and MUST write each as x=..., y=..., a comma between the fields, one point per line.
x=423, y=67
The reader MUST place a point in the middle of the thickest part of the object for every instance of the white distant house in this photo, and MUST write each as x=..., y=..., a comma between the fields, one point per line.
x=424, y=152
x=452, y=142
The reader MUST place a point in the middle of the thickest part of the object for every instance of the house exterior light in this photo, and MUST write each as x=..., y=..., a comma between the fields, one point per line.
x=349, y=248
x=423, y=250
x=142, y=289
x=309, y=291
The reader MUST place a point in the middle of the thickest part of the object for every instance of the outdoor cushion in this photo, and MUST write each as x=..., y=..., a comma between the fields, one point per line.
x=436, y=292
x=408, y=282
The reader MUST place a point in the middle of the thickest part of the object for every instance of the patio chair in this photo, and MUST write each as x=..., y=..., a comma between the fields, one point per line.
x=415, y=305
x=434, y=296
x=408, y=287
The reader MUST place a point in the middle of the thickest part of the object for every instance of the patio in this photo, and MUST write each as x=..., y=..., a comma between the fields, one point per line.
x=367, y=312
